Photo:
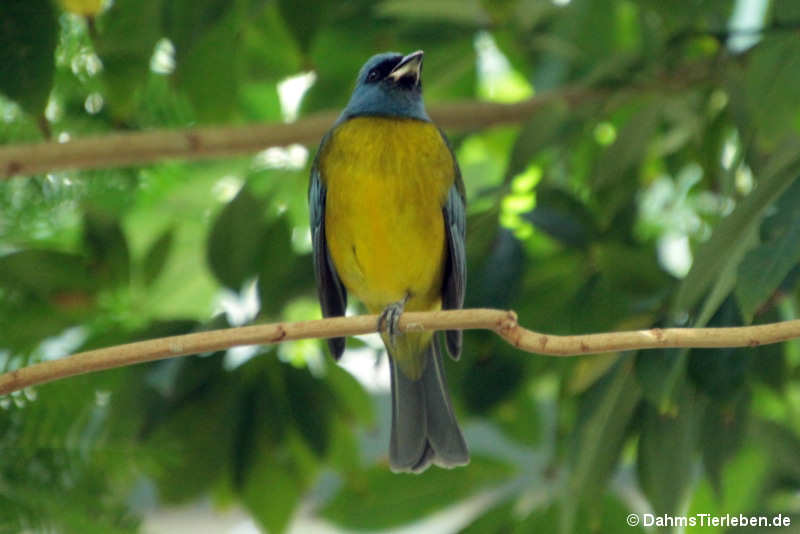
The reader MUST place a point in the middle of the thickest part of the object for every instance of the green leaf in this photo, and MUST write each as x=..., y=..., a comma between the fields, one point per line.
x=125, y=46
x=107, y=248
x=260, y=101
x=270, y=49
x=618, y=160
x=387, y=500
x=234, y=240
x=44, y=272
x=713, y=256
x=350, y=394
x=764, y=267
x=496, y=278
x=721, y=435
x=273, y=488
x=262, y=416
x=303, y=18
x=497, y=520
x=599, y=434
x=283, y=275
x=770, y=365
x=27, y=52
x=666, y=449
x=543, y=129
x=492, y=380
x=453, y=11
x=208, y=65
x=773, y=72
x=156, y=256
x=780, y=444
x=197, y=463
x=721, y=373
x=744, y=479
x=311, y=406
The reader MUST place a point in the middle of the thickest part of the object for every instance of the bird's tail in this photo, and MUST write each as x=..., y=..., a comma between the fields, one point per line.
x=424, y=428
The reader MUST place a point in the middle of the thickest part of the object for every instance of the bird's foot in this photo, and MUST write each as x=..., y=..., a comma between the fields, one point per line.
x=389, y=320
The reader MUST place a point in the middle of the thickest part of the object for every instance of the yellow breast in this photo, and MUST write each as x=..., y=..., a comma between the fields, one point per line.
x=387, y=180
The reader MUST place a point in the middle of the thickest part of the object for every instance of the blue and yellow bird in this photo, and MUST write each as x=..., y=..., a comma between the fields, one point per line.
x=387, y=222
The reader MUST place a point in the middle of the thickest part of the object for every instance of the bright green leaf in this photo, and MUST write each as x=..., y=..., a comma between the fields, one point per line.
x=386, y=499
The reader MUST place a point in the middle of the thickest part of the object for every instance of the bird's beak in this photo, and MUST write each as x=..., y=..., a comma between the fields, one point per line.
x=409, y=66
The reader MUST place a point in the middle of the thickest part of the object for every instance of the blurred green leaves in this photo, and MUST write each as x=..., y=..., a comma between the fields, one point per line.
x=670, y=147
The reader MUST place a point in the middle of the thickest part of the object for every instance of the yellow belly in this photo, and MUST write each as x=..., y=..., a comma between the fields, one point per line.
x=387, y=180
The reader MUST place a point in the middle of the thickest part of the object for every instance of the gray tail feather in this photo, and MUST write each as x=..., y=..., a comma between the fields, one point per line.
x=424, y=428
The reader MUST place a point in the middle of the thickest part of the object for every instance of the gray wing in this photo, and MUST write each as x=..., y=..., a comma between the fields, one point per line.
x=455, y=274
x=332, y=295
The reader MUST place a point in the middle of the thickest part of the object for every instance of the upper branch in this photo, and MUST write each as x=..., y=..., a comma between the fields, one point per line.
x=129, y=148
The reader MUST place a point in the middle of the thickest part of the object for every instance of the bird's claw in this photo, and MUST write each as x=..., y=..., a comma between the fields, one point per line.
x=389, y=319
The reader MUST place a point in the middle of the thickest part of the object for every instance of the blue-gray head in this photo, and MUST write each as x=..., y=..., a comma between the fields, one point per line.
x=389, y=84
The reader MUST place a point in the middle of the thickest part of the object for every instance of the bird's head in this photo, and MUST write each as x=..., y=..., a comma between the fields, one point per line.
x=389, y=84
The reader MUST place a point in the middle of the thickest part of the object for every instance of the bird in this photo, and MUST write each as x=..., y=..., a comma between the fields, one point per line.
x=387, y=210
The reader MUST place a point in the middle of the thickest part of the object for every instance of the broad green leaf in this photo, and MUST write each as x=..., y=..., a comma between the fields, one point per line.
x=780, y=443
x=786, y=12
x=27, y=52
x=770, y=364
x=544, y=128
x=274, y=485
x=715, y=255
x=493, y=379
x=561, y=216
x=497, y=520
x=262, y=414
x=350, y=394
x=271, y=52
x=598, y=437
x=303, y=18
x=44, y=272
x=157, y=255
x=283, y=275
x=764, y=267
x=125, y=45
x=629, y=149
x=208, y=67
x=107, y=248
x=744, y=478
x=666, y=452
x=235, y=239
x=386, y=499
x=721, y=435
x=311, y=406
x=190, y=467
x=520, y=417
x=721, y=373
x=773, y=72
x=495, y=279
x=260, y=101
x=454, y=11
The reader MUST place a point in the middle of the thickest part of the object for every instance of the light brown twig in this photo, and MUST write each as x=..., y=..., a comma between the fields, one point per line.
x=129, y=148
x=504, y=323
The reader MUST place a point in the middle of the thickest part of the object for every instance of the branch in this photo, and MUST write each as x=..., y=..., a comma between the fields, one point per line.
x=503, y=323
x=120, y=149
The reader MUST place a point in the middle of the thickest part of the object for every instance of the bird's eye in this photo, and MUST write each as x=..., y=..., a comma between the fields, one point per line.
x=373, y=75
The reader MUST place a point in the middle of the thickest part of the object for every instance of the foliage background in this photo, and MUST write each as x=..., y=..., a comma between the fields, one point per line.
x=664, y=194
